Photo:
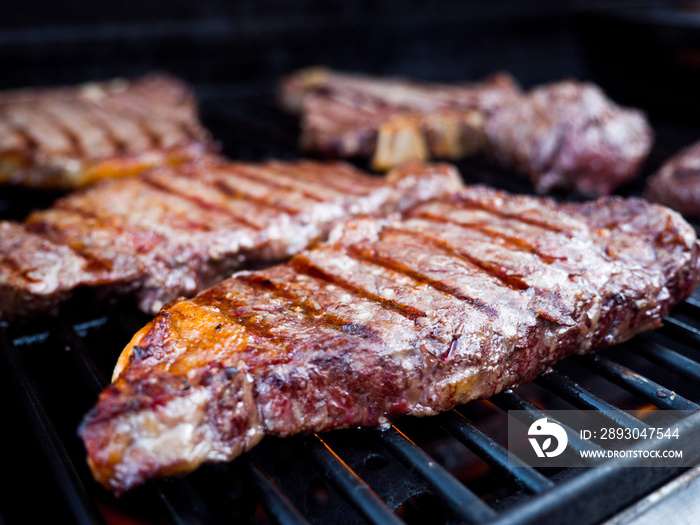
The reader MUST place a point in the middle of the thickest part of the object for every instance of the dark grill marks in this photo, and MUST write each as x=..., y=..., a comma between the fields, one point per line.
x=349, y=174
x=367, y=254
x=95, y=263
x=43, y=135
x=465, y=202
x=489, y=268
x=136, y=120
x=304, y=305
x=132, y=107
x=124, y=131
x=159, y=114
x=552, y=293
x=511, y=241
x=209, y=206
x=137, y=204
x=90, y=141
x=168, y=133
x=251, y=320
x=202, y=184
x=310, y=173
x=303, y=265
x=261, y=176
x=285, y=178
x=229, y=190
x=143, y=126
x=107, y=125
x=77, y=148
x=279, y=324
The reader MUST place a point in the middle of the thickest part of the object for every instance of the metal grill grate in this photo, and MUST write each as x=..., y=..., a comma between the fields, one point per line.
x=451, y=468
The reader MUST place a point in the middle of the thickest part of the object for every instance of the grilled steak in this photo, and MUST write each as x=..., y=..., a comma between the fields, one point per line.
x=391, y=120
x=463, y=297
x=569, y=135
x=172, y=231
x=71, y=137
x=677, y=183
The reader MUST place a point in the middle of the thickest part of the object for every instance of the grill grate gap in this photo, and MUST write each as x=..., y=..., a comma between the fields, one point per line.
x=467, y=505
x=349, y=483
x=493, y=453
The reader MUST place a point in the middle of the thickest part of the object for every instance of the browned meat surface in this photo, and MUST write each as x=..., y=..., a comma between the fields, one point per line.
x=569, y=135
x=677, y=183
x=173, y=231
x=71, y=137
x=392, y=120
x=463, y=297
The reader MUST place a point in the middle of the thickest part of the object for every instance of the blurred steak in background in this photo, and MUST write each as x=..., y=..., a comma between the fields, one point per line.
x=677, y=183
x=392, y=120
x=68, y=137
x=569, y=135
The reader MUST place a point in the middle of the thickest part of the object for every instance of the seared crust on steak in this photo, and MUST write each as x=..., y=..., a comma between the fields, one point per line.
x=174, y=231
x=677, y=183
x=463, y=297
x=60, y=138
x=570, y=135
x=391, y=120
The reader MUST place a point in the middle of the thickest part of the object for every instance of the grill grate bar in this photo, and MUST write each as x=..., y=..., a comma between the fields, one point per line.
x=493, y=453
x=467, y=505
x=645, y=388
x=682, y=331
x=272, y=497
x=586, y=400
x=349, y=483
x=670, y=359
x=80, y=503
x=508, y=400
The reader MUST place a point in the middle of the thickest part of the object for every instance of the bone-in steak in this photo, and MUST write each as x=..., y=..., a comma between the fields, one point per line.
x=463, y=297
x=392, y=120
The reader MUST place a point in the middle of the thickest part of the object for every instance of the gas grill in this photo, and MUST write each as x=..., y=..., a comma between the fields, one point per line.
x=448, y=469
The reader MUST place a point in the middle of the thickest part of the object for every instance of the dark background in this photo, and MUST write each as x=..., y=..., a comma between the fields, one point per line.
x=645, y=53
x=214, y=41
